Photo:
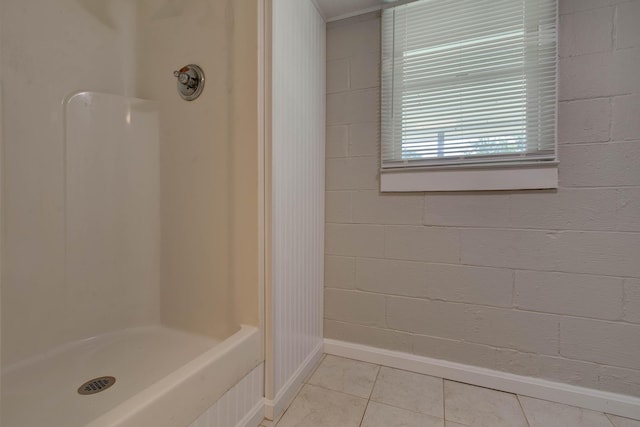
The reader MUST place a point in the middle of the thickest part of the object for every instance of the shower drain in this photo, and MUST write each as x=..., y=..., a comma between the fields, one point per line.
x=96, y=385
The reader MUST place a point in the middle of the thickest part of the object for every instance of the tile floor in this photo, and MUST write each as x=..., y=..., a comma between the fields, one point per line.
x=349, y=393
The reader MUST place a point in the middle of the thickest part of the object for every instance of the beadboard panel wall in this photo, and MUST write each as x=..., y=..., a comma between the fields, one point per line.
x=239, y=406
x=298, y=128
x=543, y=284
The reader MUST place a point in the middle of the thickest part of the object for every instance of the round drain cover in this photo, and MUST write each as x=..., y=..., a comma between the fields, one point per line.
x=96, y=385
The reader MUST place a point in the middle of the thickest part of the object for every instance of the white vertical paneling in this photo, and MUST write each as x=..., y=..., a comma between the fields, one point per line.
x=298, y=127
x=241, y=406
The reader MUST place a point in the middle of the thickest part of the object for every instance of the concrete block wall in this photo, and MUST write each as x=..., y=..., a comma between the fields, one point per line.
x=540, y=283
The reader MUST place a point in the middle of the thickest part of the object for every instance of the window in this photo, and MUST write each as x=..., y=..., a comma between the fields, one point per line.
x=469, y=95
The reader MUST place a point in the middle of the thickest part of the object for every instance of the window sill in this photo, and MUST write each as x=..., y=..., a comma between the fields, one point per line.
x=470, y=179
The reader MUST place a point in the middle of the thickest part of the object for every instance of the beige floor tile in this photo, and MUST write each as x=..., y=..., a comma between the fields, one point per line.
x=623, y=422
x=336, y=396
x=481, y=407
x=379, y=415
x=315, y=368
x=408, y=390
x=318, y=407
x=345, y=375
x=541, y=413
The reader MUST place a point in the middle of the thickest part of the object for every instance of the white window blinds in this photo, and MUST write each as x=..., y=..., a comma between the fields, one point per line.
x=469, y=82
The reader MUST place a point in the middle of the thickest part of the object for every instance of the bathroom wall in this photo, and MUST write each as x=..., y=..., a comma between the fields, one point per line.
x=50, y=49
x=209, y=162
x=194, y=158
x=297, y=153
x=538, y=283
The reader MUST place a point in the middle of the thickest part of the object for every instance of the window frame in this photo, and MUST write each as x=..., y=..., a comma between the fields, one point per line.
x=495, y=173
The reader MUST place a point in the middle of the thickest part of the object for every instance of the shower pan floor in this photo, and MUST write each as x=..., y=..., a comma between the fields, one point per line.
x=43, y=391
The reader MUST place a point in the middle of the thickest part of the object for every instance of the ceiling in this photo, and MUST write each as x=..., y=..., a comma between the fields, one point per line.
x=336, y=9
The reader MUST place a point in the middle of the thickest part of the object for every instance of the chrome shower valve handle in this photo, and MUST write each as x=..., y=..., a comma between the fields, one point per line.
x=183, y=78
x=190, y=80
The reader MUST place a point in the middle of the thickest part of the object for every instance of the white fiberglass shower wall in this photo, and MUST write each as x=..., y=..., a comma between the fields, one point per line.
x=130, y=216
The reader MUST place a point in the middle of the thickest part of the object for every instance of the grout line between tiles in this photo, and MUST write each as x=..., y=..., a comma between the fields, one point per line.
x=370, y=394
x=374, y=382
x=391, y=405
x=364, y=413
x=444, y=404
x=524, y=414
x=608, y=417
x=334, y=391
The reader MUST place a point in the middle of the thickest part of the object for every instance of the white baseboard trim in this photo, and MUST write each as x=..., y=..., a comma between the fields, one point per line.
x=611, y=403
x=273, y=409
x=254, y=417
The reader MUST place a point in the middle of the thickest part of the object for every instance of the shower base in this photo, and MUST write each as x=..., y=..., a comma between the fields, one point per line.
x=44, y=390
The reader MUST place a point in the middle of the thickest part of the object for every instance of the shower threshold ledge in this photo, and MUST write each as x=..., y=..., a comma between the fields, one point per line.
x=43, y=391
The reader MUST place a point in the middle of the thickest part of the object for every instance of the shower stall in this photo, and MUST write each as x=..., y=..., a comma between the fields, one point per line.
x=131, y=217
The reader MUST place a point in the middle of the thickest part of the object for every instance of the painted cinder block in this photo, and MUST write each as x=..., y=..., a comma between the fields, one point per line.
x=518, y=362
x=354, y=240
x=339, y=272
x=631, y=305
x=407, y=278
x=522, y=249
x=598, y=297
x=424, y=317
x=585, y=32
x=573, y=6
x=485, y=209
x=619, y=380
x=518, y=330
x=600, y=165
x=627, y=33
x=373, y=207
x=338, y=206
x=337, y=144
x=352, y=38
x=422, y=244
x=567, y=209
x=470, y=284
x=625, y=124
x=605, y=253
x=604, y=342
x=337, y=109
x=355, y=307
x=363, y=105
x=555, y=368
x=368, y=335
x=338, y=75
x=355, y=173
x=587, y=120
x=365, y=70
x=599, y=74
x=577, y=372
x=628, y=207
x=443, y=282
x=449, y=286
x=364, y=139
x=454, y=350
